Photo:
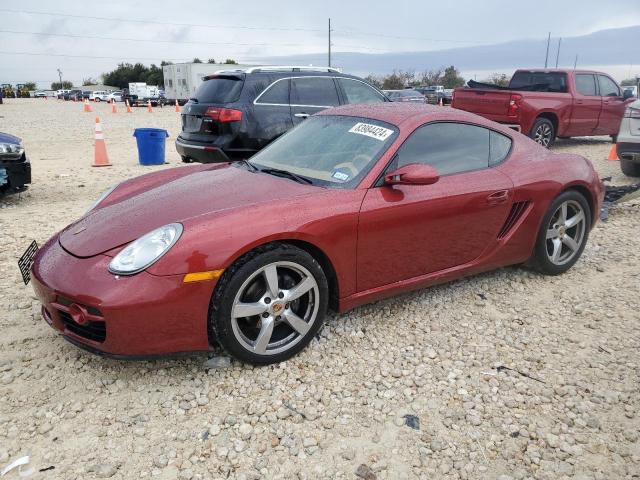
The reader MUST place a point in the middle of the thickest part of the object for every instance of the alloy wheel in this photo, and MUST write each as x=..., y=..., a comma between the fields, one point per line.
x=542, y=135
x=275, y=308
x=565, y=232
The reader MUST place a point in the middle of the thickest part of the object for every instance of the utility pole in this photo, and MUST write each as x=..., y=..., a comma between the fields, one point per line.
x=329, y=62
x=558, y=52
x=60, y=76
x=546, y=58
x=575, y=63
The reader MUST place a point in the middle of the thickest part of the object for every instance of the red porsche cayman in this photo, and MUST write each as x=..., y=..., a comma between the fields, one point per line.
x=355, y=204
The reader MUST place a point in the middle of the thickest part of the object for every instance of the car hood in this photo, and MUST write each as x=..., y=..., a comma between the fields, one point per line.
x=183, y=193
x=6, y=138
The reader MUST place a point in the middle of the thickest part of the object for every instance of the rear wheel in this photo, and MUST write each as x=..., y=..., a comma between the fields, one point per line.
x=543, y=132
x=269, y=304
x=630, y=168
x=97, y=99
x=563, y=233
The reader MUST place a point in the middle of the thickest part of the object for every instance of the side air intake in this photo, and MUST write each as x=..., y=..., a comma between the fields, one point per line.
x=517, y=209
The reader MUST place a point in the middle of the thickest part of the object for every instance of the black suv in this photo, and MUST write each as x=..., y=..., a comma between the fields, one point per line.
x=236, y=113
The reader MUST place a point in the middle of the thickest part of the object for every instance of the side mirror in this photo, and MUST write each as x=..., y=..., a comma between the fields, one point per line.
x=627, y=94
x=412, y=174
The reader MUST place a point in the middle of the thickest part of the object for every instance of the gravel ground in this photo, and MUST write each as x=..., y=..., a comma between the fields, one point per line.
x=565, y=405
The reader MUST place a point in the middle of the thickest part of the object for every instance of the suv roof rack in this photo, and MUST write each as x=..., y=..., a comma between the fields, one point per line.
x=294, y=68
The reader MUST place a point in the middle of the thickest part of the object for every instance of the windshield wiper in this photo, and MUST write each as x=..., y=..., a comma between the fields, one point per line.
x=246, y=162
x=285, y=173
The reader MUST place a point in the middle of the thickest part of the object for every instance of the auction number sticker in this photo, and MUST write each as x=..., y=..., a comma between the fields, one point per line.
x=373, y=131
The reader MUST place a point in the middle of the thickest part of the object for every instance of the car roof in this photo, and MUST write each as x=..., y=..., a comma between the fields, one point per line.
x=399, y=113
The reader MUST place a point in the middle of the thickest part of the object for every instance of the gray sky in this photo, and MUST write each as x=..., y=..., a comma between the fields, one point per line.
x=255, y=28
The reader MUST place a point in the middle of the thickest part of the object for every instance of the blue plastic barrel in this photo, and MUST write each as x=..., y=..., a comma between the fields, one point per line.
x=150, y=145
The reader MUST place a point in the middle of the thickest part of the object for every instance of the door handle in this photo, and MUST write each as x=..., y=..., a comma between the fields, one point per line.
x=499, y=197
x=301, y=115
x=579, y=102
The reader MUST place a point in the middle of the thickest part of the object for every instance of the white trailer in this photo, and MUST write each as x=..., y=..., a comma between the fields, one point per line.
x=181, y=80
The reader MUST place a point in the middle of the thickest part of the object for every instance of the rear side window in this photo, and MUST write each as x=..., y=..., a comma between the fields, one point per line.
x=314, y=91
x=539, y=81
x=448, y=147
x=586, y=84
x=608, y=87
x=358, y=92
x=499, y=147
x=277, y=93
x=219, y=90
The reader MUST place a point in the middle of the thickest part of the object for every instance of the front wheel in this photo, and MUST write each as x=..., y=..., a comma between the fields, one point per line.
x=543, y=132
x=269, y=305
x=97, y=99
x=563, y=233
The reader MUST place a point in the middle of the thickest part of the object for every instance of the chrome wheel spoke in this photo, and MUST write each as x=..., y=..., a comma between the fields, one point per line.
x=557, y=248
x=300, y=289
x=298, y=324
x=552, y=233
x=576, y=219
x=241, y=310
x=266, y=330
x=271, y=277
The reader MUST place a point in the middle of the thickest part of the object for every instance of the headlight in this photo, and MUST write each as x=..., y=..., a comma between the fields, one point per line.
x=102, y=197
x=15, y=148
x=146, y=250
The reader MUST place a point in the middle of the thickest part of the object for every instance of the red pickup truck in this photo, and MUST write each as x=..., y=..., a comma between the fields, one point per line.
x=545, y=104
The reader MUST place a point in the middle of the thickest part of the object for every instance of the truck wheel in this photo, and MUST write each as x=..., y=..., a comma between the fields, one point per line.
x=614, y=138
x=630, y=168
x=543, y=132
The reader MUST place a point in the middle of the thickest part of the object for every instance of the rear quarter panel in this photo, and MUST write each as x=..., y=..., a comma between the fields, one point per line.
x=539, y=176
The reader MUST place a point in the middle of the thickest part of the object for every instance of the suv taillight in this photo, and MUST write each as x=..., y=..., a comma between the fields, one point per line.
x=632, y=112
x=223, y=115
x=514, y=105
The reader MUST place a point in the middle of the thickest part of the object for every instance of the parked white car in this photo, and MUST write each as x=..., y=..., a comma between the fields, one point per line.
x=628, y=141
x=99, y=96
x=116, y=96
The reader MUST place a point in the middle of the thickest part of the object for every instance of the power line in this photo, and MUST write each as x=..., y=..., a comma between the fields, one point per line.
x=97, y=37
x=91, y=56
x=155, y=22
x=349, y=32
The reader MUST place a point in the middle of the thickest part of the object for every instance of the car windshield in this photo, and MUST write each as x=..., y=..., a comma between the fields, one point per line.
x=330, y=151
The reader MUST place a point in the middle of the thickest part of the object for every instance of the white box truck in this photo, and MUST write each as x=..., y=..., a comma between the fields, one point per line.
x=181, y=80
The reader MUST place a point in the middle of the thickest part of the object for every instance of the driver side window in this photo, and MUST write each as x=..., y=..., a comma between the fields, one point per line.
x=448, y=147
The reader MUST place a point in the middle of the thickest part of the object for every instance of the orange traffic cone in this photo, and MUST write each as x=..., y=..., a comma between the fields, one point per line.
x=613, y=153
x=87, y=106
x=128, y=106
x=101, y=159
x=177, y=107
x=114, y=108
x=149, y=108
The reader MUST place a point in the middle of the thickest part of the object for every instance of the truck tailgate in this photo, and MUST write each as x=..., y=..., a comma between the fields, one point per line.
x=482, y=101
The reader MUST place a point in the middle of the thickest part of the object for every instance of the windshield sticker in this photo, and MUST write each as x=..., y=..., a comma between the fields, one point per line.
x=373, y=131
x=340, y=175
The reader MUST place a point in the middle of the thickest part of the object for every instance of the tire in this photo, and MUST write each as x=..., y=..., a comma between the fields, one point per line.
x=185, y=159
x=97, y=99
x=268, y=335
x=571, y=239
x=614, y=138
x=543, y=132
x=630, y=168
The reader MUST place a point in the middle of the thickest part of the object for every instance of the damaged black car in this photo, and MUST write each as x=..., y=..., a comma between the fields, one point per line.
x=15, y=169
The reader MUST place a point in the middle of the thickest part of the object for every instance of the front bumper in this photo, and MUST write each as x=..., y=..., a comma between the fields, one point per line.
x=18, y=173
x=127, y=316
